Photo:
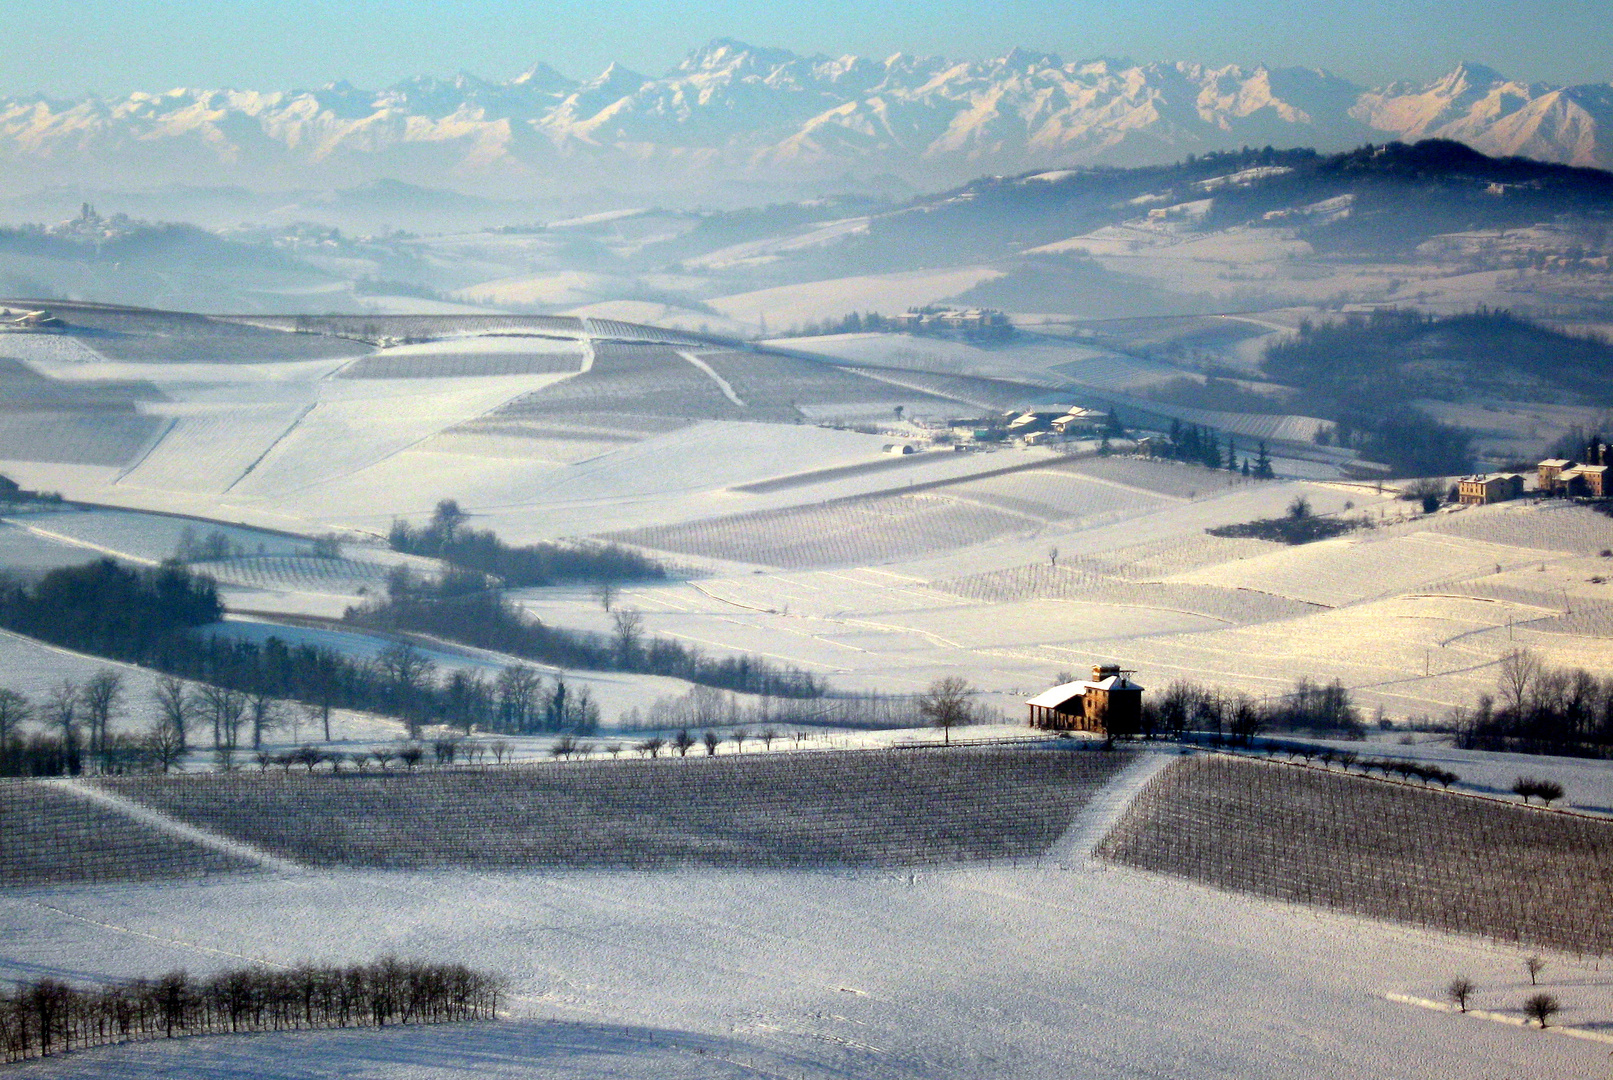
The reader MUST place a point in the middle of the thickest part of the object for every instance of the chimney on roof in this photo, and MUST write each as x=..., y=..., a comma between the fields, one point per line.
x=1101, y=672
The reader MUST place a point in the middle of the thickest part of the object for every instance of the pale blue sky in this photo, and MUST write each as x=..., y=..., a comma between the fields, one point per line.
x=114, y=46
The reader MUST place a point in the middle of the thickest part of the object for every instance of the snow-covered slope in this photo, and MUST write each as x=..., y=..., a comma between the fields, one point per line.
x=733, y=108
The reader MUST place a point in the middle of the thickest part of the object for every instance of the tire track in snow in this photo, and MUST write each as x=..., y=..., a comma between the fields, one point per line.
x=722, y=384
x=1104, y=810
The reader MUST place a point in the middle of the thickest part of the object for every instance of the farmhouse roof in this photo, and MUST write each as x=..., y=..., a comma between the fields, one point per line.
x=1556, y=463
x=1067, y=692
x=1058, y=695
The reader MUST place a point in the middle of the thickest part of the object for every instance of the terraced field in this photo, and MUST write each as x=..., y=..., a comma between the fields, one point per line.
x=49, y=837
x=849, y=532
x=416, y=326
x=764, y=810
x=633, y=380
x=76, y=438
x=1375, y=848
x=1083, y=579
x=144, y=335
x=448, y=364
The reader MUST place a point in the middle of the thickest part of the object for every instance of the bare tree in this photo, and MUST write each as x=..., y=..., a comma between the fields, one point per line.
x=682, y=741
x=499, y=747
x=711, y=739
x=518, y=688
x=225, y=708
x=61, y=713
x=1541, y=1008
x=946, y=704
x=102, y=697
x=163, y=744
x=1516, y=676
x=174, y=706
x=15, y=711
x=408, y=672
x=651, y=747
x=1534, y=965
x=614, y=749
x=265, y=714
x=605, y=591
x=767, y=736
x=739, y=735
x=1459, y=991
x=629, y=632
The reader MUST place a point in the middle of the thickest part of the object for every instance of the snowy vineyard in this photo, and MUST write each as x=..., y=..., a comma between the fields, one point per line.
x=294, y=572
x=1380, y=849
x=45, y=1017
x=50, y=837
x=895, y=807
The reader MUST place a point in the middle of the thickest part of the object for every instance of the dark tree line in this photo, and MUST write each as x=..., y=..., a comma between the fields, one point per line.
x=463, y=607
x=446, y=537
x=158, y=619
x=45, y=1017
x=1540, y=710
x=1202, y=446
x=1313, y=708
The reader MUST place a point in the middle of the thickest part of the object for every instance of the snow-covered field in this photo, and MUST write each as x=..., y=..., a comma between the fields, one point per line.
x=807, y=545
x=1012, y=971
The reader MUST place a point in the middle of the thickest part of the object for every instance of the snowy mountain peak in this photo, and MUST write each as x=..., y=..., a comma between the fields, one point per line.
x=735, y=111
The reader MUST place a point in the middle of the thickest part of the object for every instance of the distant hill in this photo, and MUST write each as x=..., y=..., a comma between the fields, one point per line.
x=732, y=112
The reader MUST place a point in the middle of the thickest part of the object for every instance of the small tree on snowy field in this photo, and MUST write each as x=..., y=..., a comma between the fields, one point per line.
x=613, y=749
x=606, y=591
x=739, y=735
x=767, y=736
x=499, y=747
x=682, y=741
x=652, y=747
x=711, y=739
x=946, y=705
x=1541, y=1008
x=1459, y=991
x=1534, y=965
x=411, y=754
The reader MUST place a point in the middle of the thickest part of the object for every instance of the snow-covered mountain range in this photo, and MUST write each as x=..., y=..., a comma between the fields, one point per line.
x=731, y=111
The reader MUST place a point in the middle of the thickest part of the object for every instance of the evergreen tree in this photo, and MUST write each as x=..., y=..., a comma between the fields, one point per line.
x=1263, y=463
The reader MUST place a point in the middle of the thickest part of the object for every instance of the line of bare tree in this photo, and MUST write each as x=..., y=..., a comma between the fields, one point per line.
x=1540, y=709
x=47, y=1016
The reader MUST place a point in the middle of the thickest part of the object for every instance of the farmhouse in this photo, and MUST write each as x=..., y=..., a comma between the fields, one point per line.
x=1079, y=422
x=1547, y=472
x=1586, y=478
x=1109, y=703
x=969, y=323
x=1492, y=488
